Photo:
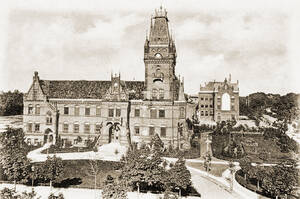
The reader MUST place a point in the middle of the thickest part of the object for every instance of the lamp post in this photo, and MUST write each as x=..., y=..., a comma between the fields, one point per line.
x=32, y=179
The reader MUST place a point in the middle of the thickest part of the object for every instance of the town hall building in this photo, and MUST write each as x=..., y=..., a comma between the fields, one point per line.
x=116, y=110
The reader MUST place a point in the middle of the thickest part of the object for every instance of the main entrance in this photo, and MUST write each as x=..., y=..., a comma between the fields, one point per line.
x=113, y=132
x=48, y=135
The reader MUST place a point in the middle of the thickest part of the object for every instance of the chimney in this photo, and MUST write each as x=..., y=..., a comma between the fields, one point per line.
x=36, y=76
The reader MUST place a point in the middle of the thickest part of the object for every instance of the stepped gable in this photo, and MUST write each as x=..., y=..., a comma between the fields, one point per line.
x=83, y=89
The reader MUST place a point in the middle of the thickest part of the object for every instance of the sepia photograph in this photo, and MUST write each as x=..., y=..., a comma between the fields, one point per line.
x=161, y=99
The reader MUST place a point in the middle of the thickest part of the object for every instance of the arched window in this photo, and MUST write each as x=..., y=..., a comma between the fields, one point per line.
x=154, y=94
x=225, y=102
x=161, y=93
x=49, y=118
x=37, y=109
x=30, y=109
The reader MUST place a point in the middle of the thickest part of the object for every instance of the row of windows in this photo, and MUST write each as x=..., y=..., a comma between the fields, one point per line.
x=205, y=113
x=33, y=127
x=163, y=131
x=206, y=106
x=111, y=112
x=206, y=99
x=86, y=128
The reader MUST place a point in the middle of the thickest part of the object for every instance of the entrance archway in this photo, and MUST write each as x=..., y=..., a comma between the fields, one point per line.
x=48, y=137
x=113, y=131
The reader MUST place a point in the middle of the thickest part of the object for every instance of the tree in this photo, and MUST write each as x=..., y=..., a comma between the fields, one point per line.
x=94, y=170
x=156, y=143
x=245, y=164
x=52, y=169
x=11, y=103
x=13, y=156
x=114, y=189
x=178, y=176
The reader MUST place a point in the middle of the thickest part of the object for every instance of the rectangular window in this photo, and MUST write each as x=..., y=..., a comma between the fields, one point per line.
x=66, y=110
x=219, y=106
x=118, y=112
x=202, y=105
x=76, y=128
x=137, y=130
x=66, y=128
x=202, y=113
x=37, y=127
x=163, y=132
x=98, y=128
x=30, y=109
x=37, y=109
x=110, y=112
x=210, y=105
x=206, y=105
x=211, y=113
x=151, y=130
x=137, y=113
x=87, y=111
x=206, y=113
x=98, y=111
x=87, y=128
x=161, y=113
x=202, y=98
x=29, y=127
x=153, y=113
x=232, y=107
x=206, y=99
x=76, y=110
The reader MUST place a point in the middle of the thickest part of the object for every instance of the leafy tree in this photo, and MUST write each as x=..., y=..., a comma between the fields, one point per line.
x=156, y=143
x=179, y=176
x=245, y=164
x=114, y=189
x=52, y=169
x=13, y=156
x=11, y=103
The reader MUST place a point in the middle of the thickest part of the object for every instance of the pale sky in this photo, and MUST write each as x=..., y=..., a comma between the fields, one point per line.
x=257, y=42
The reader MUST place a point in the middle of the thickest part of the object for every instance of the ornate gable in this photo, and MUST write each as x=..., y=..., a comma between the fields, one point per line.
x=35, y=92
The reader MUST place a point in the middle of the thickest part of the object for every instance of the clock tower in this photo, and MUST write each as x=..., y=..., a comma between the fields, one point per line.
x=160, y=59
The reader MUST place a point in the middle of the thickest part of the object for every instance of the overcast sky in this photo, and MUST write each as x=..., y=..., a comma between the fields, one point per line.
x=257, y=42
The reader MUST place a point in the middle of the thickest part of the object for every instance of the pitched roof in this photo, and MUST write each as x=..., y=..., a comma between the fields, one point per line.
x=82, y=89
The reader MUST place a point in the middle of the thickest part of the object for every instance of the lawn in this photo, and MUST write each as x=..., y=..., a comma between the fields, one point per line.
x=76, y=173
x=216, y=169
x=268, y=146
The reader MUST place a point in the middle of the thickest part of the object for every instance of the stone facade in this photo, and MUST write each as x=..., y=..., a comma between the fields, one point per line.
x=219, y=101
x=112, y=110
